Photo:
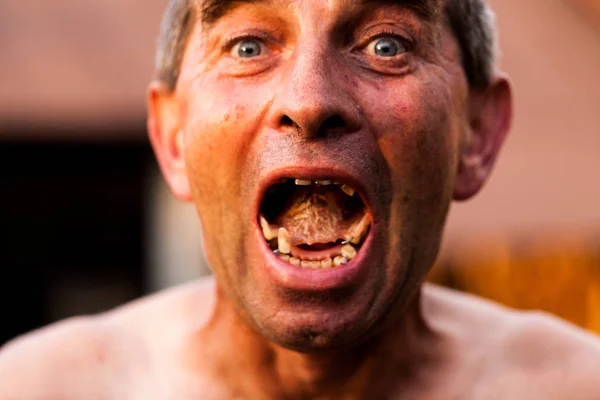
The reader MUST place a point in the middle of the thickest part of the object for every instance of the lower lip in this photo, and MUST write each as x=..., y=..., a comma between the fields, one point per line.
x=304, y=279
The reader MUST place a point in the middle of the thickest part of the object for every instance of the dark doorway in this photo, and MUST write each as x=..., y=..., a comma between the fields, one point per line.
x=72, y=229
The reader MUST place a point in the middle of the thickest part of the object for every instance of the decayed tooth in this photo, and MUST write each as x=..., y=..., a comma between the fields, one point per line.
x=340, y=260
x=311, y=264
x=348, y=251
x=266, y=229
x=360, y=229
x=295, y=261
x=285, y=257
x=323, y=182
x=348, y=190
x=326, y=263
x=303, y=182
x=283, y=241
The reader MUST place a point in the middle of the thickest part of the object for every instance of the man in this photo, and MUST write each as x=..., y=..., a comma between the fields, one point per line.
x=321, y=142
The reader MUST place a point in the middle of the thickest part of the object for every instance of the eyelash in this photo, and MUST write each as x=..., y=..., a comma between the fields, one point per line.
x=388, y=33
x=231, y=42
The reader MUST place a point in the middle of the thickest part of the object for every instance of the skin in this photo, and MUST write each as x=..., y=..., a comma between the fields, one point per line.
x=411, y=135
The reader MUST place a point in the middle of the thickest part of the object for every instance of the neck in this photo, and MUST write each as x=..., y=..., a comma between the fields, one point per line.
x=381, y=364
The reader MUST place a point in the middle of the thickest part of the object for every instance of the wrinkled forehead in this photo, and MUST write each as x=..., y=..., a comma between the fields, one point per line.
x=211, y=10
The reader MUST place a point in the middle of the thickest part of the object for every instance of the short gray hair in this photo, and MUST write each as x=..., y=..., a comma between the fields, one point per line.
x=175, y=29
x=471, y=22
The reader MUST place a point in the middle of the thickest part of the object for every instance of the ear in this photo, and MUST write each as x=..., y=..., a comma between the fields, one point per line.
x=167, y=139
x=490, y=120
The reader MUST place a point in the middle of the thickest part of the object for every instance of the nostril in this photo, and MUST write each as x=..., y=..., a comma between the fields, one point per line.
x=287, y=121
x=332, y=123
x=318, y=127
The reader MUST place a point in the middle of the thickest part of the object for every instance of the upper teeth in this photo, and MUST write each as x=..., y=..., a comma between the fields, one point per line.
x=350, y=191
x=266, y=228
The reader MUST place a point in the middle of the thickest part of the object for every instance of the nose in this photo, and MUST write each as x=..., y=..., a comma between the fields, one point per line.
x=314, y=100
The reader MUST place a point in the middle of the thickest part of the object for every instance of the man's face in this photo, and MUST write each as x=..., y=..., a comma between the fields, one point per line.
x=367, y=94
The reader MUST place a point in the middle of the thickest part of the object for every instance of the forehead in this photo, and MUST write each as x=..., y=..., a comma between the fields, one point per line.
x=212, y=10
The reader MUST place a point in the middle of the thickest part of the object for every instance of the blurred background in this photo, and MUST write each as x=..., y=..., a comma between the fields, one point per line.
x=87, y=223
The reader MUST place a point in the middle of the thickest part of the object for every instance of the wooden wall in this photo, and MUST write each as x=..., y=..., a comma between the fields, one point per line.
x=558, y=273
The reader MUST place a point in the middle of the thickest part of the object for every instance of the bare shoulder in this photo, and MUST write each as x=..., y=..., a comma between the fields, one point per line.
x=182, y=306
x=84, y=355
x=533, y=353
x=458, y=315
x=557, y=354
x=44, y=364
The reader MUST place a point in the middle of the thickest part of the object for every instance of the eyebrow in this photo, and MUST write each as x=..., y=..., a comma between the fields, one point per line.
x=427, y=9
x=213, y=10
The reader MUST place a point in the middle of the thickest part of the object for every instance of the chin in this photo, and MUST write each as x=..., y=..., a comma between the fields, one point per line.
x=311, y=319
x=307, y=332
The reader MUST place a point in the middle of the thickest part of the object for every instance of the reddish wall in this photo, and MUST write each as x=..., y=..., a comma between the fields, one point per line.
x=548, y=178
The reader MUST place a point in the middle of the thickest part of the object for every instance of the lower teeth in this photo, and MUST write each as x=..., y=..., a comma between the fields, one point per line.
x=348, y=252
x=282, y=248
x=340, y=260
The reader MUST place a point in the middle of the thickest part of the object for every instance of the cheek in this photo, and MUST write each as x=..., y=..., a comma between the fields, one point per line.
x=417, y=136
x=219, y=129
x=416, y=133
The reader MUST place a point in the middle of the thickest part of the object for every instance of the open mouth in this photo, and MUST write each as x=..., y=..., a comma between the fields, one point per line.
x=315, y=224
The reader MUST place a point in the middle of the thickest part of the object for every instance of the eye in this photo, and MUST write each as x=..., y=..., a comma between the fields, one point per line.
x=386, y=47
x=248, y=48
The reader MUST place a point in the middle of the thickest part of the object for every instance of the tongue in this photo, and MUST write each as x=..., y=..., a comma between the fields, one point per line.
x=314, y=215
x=316, y=255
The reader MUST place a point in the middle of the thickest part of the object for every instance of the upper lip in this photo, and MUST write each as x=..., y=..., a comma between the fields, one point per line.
x=311, y=173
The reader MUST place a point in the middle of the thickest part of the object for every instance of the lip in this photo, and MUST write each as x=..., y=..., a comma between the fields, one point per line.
x=304, y=279
x=316, y=280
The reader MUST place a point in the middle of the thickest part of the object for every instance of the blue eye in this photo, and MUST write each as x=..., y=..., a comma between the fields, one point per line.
x=386, y=47
x=247, y=48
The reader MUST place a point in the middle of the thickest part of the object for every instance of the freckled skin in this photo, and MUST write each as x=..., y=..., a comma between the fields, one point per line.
x=412, y=134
